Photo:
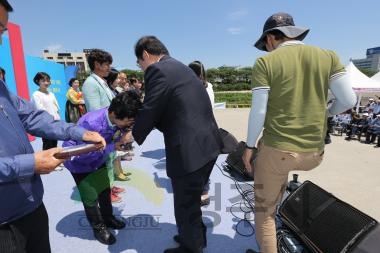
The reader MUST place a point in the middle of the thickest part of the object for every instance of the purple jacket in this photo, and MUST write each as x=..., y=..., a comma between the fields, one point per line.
x=93, y=121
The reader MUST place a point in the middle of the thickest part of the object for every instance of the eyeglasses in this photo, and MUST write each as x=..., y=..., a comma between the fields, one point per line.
x=138, y=63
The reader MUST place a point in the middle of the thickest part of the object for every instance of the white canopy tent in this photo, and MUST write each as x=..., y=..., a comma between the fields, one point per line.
x=376, y=77
x=361, y=83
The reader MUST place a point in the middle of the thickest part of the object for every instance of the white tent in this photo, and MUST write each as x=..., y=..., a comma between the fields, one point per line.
x=376, y=77
x=361, y=84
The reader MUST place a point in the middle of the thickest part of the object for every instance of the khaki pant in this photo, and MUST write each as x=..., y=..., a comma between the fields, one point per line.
x=271, y=169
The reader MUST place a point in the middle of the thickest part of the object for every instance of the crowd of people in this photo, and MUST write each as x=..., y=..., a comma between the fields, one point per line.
x=287, y=124
x=355, y=125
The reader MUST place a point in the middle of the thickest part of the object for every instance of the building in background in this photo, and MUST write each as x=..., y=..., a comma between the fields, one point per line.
x=78, y=59
x=371, y=62
x=20, y=69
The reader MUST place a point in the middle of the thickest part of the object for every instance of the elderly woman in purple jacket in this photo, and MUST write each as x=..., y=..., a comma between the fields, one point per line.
x=89, y=170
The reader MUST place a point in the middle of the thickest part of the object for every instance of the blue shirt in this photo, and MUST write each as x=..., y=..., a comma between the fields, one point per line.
x=21, y=189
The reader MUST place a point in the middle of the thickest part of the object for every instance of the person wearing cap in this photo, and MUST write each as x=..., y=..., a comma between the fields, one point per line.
x=363, y=125
x=370, y=105
x=289, y=97
x=353, y=125
x=376, y=107
x=373, y=130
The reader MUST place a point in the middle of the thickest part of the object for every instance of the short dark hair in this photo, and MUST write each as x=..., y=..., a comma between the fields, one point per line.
x=133, y=80
x=6, y=5
x=98, y=55
x=198, y=69
x=72, y=80
x=112, y=75
x=125, y=105
x=40, y=76
x=150, y=44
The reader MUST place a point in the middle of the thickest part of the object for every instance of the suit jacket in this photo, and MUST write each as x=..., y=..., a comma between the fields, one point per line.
x=177, y=104
x=96, y=93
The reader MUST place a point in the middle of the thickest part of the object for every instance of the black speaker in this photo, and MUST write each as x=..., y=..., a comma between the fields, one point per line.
x=322, y=221
x=370, y=243
x=230, y=142
x=235, y=162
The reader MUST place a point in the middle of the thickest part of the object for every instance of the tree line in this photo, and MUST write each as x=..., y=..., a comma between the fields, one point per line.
x=224, y=78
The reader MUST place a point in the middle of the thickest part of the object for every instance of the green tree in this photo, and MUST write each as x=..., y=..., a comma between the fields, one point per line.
x=81, y=76
x=134, y=73
x=368, y=72
x=229, y=75
x=245, y=74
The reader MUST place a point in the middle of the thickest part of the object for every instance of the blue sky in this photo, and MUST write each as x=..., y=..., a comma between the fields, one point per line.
x=214, y=32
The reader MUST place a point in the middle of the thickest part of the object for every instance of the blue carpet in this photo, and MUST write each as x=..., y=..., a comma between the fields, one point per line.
x=147, y=207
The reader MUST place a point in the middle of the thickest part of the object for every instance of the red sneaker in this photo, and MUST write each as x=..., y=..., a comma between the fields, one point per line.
x=115, y=198
x=117, y=190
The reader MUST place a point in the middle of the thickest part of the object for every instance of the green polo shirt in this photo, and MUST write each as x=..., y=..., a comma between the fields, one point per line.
x=298, y=77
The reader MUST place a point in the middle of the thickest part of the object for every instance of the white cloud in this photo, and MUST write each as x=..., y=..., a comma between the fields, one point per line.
x=235, y=30
x=237, y=14
x=54, y=47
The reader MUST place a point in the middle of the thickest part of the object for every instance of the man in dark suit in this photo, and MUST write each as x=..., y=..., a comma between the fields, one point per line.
x=177, y=104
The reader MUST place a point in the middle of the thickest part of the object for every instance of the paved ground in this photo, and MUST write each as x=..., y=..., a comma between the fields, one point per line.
x=147, y=208
x=350, y=169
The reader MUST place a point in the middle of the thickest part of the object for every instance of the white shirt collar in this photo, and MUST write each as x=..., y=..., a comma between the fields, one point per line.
x=104, y=84
x=98, y=78
x=290, y=43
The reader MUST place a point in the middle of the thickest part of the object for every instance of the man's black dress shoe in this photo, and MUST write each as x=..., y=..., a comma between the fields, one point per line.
x=114, y=223
x=251, y=251
x=176, y=239
x=103, y=235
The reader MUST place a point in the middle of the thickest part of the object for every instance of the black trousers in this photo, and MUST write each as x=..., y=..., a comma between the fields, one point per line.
x=29, y=234
x=94, y=189
x=48, y=144
x=187, y=193
x=371, y=137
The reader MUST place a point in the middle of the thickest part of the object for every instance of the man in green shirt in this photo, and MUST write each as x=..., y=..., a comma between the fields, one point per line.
x=289, y=98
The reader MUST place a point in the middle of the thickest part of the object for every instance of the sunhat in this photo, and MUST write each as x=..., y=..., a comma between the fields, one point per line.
x=283, y=22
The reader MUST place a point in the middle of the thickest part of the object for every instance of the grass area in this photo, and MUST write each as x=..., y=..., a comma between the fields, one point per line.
x=234, y=99
x=232, y=87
